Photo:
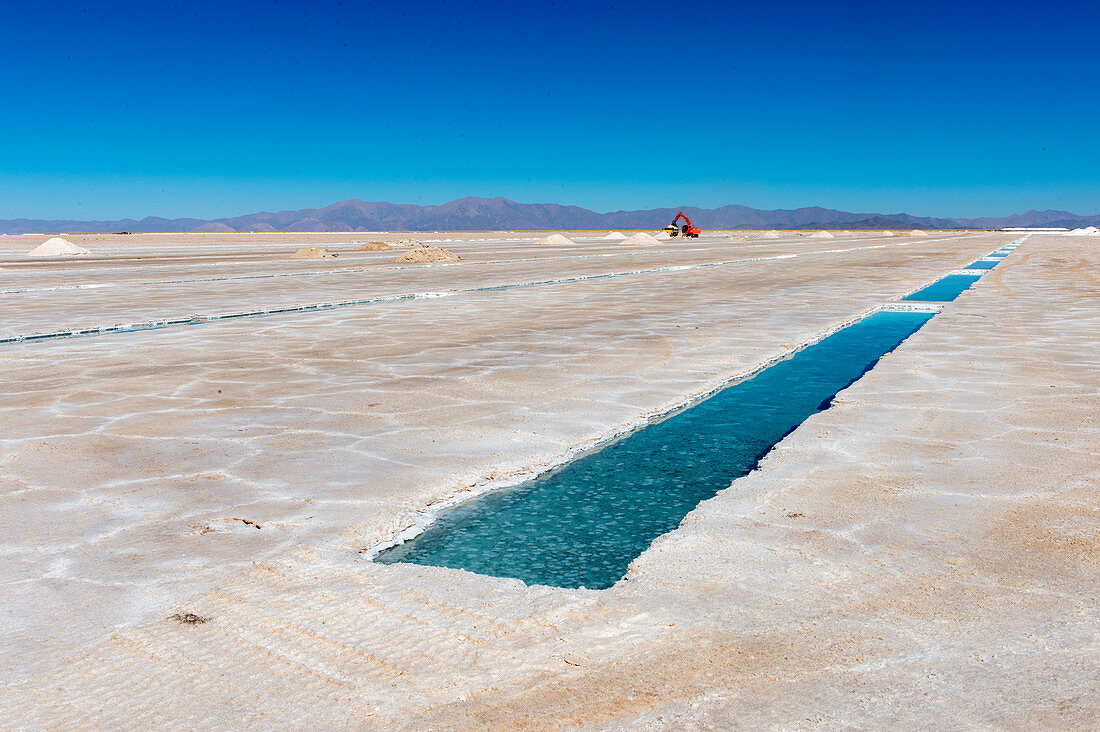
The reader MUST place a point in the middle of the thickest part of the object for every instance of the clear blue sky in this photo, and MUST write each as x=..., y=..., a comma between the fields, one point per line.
x=111, y=109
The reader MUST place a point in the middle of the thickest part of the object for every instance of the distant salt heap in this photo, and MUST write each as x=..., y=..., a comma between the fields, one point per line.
x=425, y=254
x=557, y=240
x=661, y=236
x=409, y=243
x=313, y=253
x=769, y=235
x=1087, y=231
x=641, y=239
x=821, y=235
x=844, y=233
x=615, y=236
x=57, y=247
x=373, y=246
x=917, y=232
x=887, y=233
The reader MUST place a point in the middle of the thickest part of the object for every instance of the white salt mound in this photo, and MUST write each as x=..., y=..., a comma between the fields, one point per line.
x=662, y=236
x=844, y=233
x=557, y=240
x=916, y=232
x=641, y=239
x=821, y=235
x=770, y=235
x=616, y=236
x=887, y=233
x=1087, y=231
x=56, y=247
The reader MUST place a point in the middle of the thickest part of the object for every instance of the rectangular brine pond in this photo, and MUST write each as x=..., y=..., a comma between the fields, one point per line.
x=982, y=264
x=946, y=289
x=582, y=524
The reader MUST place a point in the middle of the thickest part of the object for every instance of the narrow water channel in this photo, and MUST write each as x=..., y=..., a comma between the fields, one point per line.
x=946, y=289
x=582, y=525
x=981, y=264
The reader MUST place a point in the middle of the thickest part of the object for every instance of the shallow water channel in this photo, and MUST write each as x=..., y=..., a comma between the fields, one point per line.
x=582, y=525
x=981, y=264
x=946, y=289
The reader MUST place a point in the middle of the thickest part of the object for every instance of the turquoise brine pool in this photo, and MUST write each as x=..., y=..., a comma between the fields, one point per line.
x=981, y=265
x=946, y=289
x=582, y=525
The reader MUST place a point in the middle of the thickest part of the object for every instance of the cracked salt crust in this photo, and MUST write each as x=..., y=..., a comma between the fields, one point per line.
x=914, y=549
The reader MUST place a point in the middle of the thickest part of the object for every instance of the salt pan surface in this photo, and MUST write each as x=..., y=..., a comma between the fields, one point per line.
x=310, y=435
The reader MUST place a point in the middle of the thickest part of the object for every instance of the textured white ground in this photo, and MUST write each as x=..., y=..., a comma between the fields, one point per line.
x=924, y=553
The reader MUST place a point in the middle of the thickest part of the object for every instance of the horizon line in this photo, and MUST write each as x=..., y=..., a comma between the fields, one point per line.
x=524, y=203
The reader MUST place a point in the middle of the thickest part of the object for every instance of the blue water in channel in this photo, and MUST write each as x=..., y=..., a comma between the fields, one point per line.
x=582, y=525
x=982, y=265
x=944, y=290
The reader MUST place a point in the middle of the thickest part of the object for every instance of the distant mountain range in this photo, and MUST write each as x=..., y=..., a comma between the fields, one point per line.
x=473, y=214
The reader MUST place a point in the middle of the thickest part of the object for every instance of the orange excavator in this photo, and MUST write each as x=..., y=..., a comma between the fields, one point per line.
x=686, y=230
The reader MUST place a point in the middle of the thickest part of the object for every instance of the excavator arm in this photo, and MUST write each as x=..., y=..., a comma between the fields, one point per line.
x=682, y=216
